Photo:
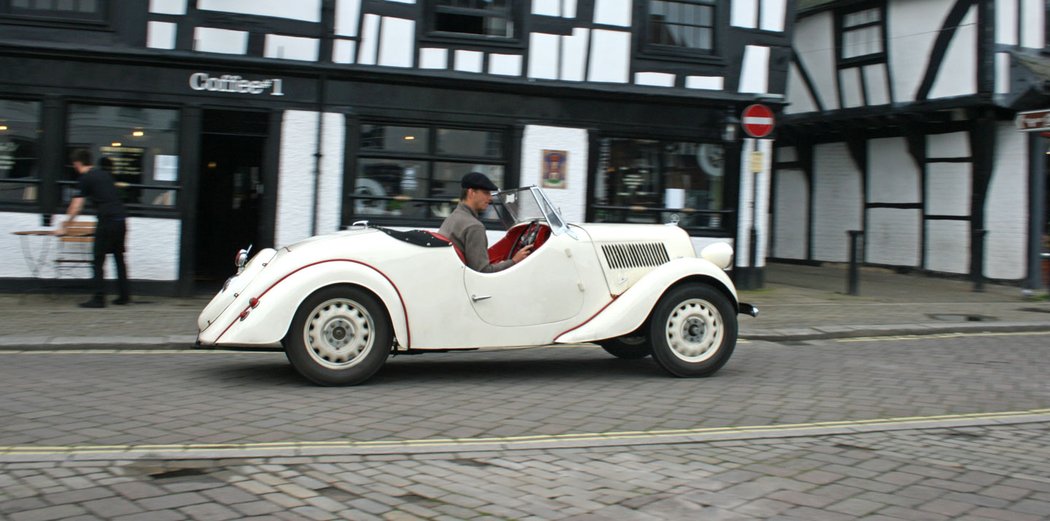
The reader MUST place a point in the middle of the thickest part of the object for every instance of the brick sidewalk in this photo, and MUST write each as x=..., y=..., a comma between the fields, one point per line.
x=797, y=303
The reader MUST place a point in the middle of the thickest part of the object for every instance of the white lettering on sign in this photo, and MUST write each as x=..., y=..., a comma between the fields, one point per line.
x=235, y=84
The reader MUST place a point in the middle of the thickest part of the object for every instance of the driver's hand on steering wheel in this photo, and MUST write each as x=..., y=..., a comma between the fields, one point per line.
x=521, y=254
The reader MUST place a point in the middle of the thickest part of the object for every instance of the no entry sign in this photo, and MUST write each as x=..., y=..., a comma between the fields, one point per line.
x=757, y=120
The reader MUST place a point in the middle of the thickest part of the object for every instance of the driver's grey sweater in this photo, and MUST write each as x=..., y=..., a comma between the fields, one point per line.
x=466, y=232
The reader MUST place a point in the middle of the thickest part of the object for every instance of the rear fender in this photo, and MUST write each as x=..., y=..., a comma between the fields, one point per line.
x=267, y=322
x=632, y=307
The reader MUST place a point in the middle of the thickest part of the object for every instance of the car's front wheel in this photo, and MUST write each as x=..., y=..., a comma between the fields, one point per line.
x=693, y=330
x=340, y=336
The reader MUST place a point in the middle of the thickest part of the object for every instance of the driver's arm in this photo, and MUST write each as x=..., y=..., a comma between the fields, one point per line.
x=475, y=249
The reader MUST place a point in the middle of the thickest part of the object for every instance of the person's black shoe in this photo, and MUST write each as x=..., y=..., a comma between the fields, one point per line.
x=122, y=301
x=93, y=303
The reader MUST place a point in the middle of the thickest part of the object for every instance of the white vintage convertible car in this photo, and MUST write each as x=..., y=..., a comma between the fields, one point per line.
x=340, y=304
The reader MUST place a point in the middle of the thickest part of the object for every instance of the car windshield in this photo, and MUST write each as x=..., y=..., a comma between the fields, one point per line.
x=525, y=204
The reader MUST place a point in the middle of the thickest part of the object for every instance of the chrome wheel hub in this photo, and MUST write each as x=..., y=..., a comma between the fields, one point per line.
x=338, y=333
x=694, y=330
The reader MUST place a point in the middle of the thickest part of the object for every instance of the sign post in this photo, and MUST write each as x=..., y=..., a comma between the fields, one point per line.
x=758, y=122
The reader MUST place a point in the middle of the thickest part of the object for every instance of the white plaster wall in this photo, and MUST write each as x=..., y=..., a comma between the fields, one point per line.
x=152, y=249
x=222, y=41
x=369, y=45
x=572, y=199
x=893, y=176
x=743, y=14
x=849, y=79
x=773, y=13
x=754, y=72
x=346, y=15
x=1006, y=22
x=613, y=12
x=1002, y=73
x=876, y=82
x=892, y=236
x=543, y=56
x=760, y=198
x=160, y=35
x=398, y=42
x=546, y=7
x=948, y=188
x=505, y=64
x=947, y=146
x=468, y=61
x=790, y=215
x=305, y=10
x=610, y=56
x=290, y=47
x=433, y=58
x=295, y=183
x=1033, y=13
x=958, y=73
x=948, y=246
x=574, y=54
x=836, y=201
x=911, y=28
x=1006, y=207
x=814, y=42
x=797, y=94
x=167, y=6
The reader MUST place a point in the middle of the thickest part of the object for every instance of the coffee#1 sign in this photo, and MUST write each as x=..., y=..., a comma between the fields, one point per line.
x=235, y=84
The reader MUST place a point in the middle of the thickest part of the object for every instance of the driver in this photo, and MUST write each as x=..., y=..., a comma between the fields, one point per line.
x=465, y=230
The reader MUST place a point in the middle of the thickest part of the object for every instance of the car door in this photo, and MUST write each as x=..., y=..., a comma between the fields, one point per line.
x=544, y=288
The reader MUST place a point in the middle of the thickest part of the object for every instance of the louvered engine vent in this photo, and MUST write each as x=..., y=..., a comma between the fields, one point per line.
x=627, y=256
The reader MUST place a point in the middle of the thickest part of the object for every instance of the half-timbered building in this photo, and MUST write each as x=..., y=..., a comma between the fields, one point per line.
x=237, y=122
x=900, y=125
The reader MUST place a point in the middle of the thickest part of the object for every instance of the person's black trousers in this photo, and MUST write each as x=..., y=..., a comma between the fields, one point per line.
x=109, y=238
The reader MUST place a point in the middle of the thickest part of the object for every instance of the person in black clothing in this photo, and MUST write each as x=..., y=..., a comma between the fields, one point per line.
x=98, y=186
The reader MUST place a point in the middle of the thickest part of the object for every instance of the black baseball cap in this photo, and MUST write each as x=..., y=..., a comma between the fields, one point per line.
x=478, y=180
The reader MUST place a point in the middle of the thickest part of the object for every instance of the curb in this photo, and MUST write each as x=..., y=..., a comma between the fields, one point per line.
x=188, y=342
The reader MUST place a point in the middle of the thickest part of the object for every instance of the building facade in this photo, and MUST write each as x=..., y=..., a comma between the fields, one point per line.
x=236, y=122
x=900, y=125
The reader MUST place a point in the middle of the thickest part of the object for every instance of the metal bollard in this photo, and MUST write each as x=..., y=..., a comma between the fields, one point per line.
x=977, y=245
x=855, y=252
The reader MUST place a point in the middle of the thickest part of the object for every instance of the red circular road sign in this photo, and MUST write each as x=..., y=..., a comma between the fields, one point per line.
x=757, y=120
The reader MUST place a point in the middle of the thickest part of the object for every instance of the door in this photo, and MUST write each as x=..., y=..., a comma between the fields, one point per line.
x=544, y=288
x=229, y=203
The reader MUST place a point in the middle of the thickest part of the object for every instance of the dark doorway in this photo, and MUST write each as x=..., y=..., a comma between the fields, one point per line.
x=229, y=204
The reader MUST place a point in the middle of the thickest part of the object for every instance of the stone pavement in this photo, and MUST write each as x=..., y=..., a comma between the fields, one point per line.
x=797, y=303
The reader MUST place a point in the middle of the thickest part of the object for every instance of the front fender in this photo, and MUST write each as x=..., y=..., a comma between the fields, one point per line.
x=262, y=313
x=632, y=307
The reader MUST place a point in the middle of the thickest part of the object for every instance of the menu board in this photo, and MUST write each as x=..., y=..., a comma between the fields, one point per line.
x=124, y=163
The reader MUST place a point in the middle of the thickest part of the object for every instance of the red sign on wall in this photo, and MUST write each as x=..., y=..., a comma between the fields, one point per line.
x=757, y=120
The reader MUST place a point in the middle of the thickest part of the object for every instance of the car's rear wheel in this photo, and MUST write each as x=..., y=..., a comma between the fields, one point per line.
x=693, y=330
x=340, y=336
x=631, y=347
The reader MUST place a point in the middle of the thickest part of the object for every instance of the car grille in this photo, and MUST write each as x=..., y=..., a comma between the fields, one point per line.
x=637, y=255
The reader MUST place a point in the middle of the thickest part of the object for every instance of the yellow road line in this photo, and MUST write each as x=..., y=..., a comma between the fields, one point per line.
x=941, y=336
x=542, y=441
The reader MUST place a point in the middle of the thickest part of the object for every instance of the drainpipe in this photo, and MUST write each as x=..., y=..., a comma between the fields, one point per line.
x=318, y=156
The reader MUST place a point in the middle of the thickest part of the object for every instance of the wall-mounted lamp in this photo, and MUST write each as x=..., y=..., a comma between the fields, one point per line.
x=138, y=133
x=730, y=130
x=116, y=144
x=3, y=128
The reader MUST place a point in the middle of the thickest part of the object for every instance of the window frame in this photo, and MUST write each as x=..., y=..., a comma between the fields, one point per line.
x=429, y=32
x=101, y=19
x=35, y=204
x=659, y=51
x=841, y=30
x=429, y=158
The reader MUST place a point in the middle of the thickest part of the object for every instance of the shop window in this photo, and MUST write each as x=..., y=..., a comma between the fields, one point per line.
x=681, y=26
x=411, y=174
x=58, y=10
x=861, y=35
x=19, y=152
x=482, y=18
x=647, y=181
x=138, y=146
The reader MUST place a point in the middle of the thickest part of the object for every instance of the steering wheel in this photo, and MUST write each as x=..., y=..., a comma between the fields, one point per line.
x=527, y=238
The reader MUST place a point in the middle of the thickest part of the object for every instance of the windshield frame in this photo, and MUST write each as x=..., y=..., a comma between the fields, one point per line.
x=527, y=204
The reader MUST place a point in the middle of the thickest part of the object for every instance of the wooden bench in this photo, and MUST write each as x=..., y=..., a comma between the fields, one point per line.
x=75, y=247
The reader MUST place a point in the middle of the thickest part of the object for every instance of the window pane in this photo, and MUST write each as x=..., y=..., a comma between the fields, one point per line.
x=138, y=146
x=473, y=143
x=635, y=175
x=448, y=175
x=392, y=183
x=19, y=150
x=686, y=24
x=394, y=139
